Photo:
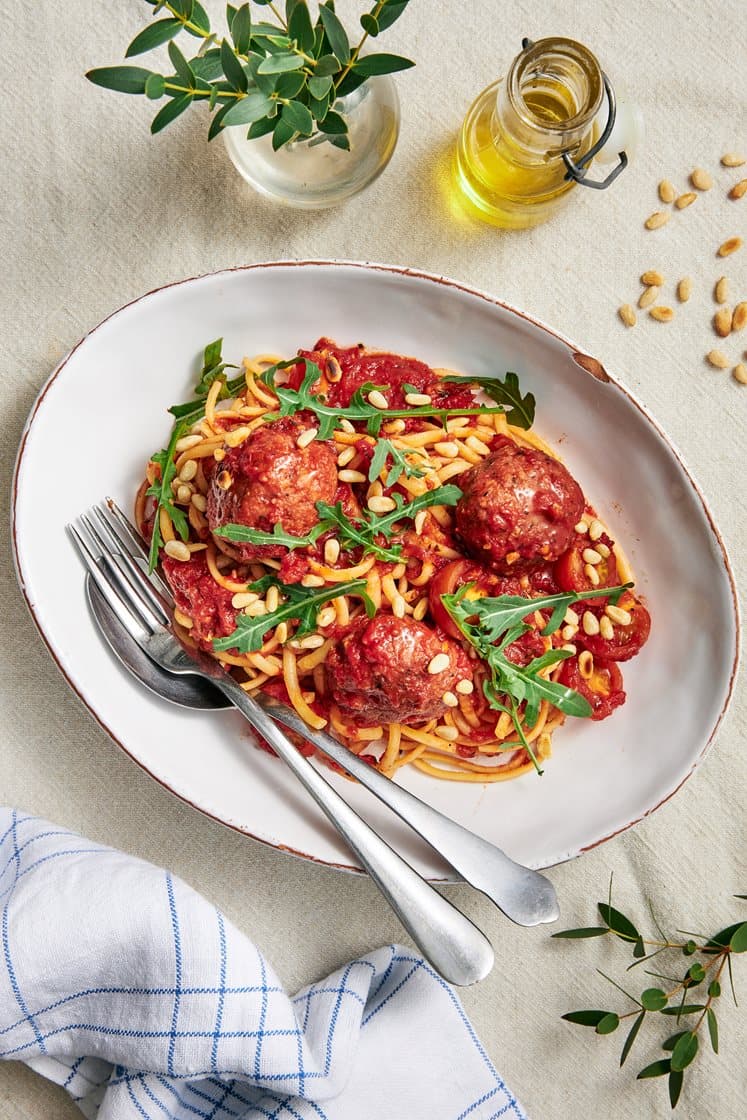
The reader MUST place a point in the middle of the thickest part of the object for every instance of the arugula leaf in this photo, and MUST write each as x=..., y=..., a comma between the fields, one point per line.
x=301, y=603
x=521, y=408
x=161, y=491
x=385, y=449
x=212, y=367
x=492, y=624
x=352, y=533
x=360, y=408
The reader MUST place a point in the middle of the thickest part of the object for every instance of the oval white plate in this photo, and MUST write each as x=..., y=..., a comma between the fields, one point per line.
x=114, y=388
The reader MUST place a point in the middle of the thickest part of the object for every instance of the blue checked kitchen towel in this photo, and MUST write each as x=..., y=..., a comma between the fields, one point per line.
x=124, y=985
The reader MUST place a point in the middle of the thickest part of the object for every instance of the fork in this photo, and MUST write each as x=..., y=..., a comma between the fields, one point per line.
x=456, y=948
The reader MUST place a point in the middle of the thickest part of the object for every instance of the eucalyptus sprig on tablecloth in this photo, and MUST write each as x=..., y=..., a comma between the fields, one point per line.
x=711, y=957
x=282, y=76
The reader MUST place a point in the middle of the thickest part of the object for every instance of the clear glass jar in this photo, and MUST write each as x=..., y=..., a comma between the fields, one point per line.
x=314, y=173
x=508, y=167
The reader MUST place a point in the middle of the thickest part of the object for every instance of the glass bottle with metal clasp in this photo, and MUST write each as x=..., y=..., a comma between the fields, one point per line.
x=529, y=139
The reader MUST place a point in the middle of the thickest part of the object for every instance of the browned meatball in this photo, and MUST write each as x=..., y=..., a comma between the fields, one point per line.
x=378, y=673
x=269, y=479
x=518, y=508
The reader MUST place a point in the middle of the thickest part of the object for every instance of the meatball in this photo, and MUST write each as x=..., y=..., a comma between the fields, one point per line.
x=268, y=479
x=378, y=672
x=518, y=508
x=198, y=595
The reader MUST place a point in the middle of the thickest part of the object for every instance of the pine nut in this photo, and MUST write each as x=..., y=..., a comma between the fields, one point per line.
x=739, y=318
x=666, y=191
x=334, y=369
x=237, y=436
x=272, y=599
x=381, y=504
x=438, y=663
x=662, y=314
x=618, y=615
x=476, y=445
x=591, y=574
x=307, y=437
x=684, y=289
x=605, y=628
x=399, y=606
x=465, y=687
x=219, y=454
x=658, y=219
x=732, y=159
x=738, y=190
x=188, y=471
x=255, y=610
x=581, y=527
x=377, y=399
x=395, y=427
x=570, y=617
x=243, y=598
x=722, y=322
x=326, y=617
x=586, y=664
x=346, y=426
x=569, y=646
x=199, y=501
x=717, y=359
x=224, y=480
x=721, y=291
x=184, y=494
x=627, y=314
x=596, y=530
x=603, y=550
x=730, y=246
x=177, y=550
x=351, y=476
x=281, y=633
x=739, y=373
x=416, y=399
x=420, y=520
x=420, y=609
x=700, y=179
x=652, y=278
x=647, y=297
x=186, y=442
x=310, y=580
x=590, y=623
x=686, y=199
x=450, y=700
x=448, y=450
x=591, y=556
x=184, y=620
x=346, y=456
x=568, y=632
x=331, y=552
x=449, y=734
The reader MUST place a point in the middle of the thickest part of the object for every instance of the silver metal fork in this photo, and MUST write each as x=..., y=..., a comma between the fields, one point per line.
x=450, y=941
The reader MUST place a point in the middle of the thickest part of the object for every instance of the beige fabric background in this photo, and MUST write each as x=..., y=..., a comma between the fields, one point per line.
x=94, y=212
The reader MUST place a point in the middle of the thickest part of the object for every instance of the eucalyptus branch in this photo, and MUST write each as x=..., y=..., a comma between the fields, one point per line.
x=284, y=78
x=714, y=953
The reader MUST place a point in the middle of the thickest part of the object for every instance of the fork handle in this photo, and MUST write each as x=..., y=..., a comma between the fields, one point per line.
x=524, y=896
x=456, y=948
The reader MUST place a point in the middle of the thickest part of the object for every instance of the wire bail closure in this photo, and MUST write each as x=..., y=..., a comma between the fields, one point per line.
x=577, y=170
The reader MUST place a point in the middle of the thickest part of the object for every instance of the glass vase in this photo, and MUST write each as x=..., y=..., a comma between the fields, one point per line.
x=313, y=173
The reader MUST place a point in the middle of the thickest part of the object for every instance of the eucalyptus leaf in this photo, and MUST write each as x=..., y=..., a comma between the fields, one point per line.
x=653, y=999
x=171, y=110
x=334, y=124
x=260, y=128
x=181, y=66
x=320, y=87
x=391, y=11
x=617, y=922
x=370, y=65
x=241, y=29
x=280, y=63
x=608, y=1024
x=326, y=66
x=656, y=1069
x=684, y=1051
x=248, y=109
x=712, y=1029
x=587, y=931
x=336, y=34
x=370, y=24
x=201, y=21
x=288, y=86
x=155, y=87
x=298, y=117
x=123, y=79
x=738, y=940
x=282, y=134
x=675, y=1081
x=632, y=1035
x=216, y=123
x=154, y=35
x=585, y=1018
x=300, y=26
x=232, y=68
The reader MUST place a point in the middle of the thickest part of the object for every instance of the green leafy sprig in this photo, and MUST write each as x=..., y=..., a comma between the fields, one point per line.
x=283, y=78
x=162, y=492
x=712, y=956
x=360, y=408
x=492, y=624
x=507, y=392
x=384, y=450
x=352, y=533
x=301, y=603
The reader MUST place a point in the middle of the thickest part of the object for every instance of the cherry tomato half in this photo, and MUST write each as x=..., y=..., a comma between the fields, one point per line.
x=603, y=689
x=570, y=575
x=453, y=576
x=626, y=640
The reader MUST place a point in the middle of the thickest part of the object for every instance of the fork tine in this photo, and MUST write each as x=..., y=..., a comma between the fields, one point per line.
x=137, y=576
x=92, y=563
x=132, y=543
x=128, y=588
